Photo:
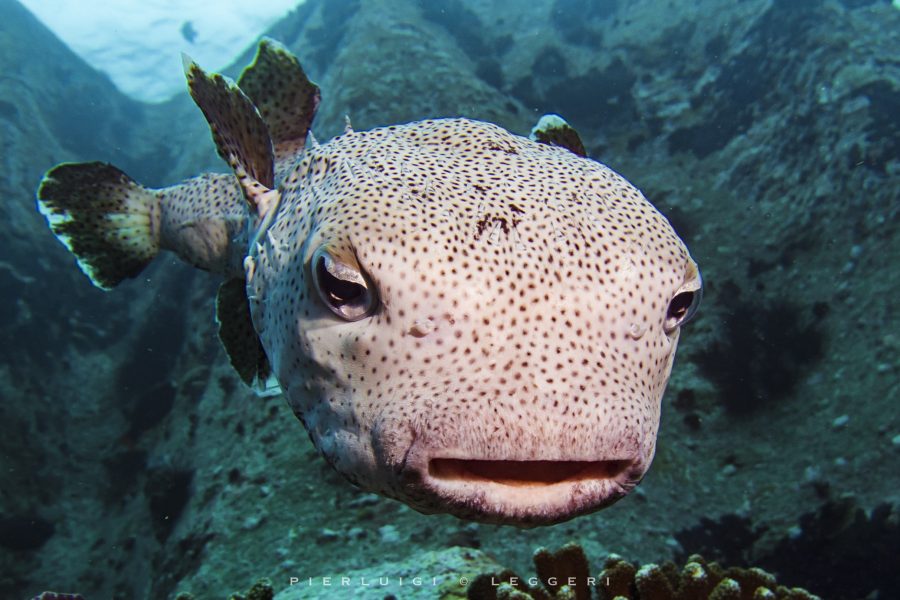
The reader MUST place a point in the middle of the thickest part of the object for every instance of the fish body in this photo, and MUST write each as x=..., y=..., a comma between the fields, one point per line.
x=464, y=319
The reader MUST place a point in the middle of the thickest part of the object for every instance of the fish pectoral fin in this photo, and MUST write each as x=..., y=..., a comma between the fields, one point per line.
x=107, y=220
x=553, y=130
x=239, y=132
x=240, y=340
x=284, y=96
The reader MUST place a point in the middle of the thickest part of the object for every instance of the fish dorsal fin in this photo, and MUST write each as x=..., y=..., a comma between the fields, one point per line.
x=240, y=134
x=284, y=96
x=240, y=340
x=553, y=130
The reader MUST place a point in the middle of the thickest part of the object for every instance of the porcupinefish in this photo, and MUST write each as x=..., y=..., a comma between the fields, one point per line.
x=466, y=320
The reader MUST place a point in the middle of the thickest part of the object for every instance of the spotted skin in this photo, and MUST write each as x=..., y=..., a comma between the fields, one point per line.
x=285, y=98
x=204, y=221
x=523, y=295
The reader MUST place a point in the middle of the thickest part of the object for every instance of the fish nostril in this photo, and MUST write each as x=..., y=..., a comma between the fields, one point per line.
x=525, y=472
x=422, y=327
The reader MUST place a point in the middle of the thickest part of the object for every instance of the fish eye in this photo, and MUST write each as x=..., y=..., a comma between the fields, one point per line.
x=683, y=306
x=342, y=288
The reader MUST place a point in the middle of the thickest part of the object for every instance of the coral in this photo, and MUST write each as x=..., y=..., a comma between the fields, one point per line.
x=837, y=547
x=728, y=539
x=565, y=575
x=569, y=565
x=843, y=550
x=697, y=580
x=763, y=352
x=261, y=590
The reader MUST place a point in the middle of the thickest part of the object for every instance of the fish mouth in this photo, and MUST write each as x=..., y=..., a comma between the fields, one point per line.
x=525, y=493
x=524, y=473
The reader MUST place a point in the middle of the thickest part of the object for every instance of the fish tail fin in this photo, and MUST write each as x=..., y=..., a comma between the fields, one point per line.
x=106, y=219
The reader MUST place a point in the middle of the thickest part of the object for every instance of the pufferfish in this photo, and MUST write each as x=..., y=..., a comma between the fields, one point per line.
x=463, y=319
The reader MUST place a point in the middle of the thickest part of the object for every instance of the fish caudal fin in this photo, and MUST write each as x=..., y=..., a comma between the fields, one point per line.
x=284, y=96
x=107, y=220
x=240, y=340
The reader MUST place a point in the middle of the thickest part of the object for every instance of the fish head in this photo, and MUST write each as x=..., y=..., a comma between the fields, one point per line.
x=472, y=322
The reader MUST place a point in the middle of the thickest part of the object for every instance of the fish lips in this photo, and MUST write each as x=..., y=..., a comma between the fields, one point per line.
x=524, y=493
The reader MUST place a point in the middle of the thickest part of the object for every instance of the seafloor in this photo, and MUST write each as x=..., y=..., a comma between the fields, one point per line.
x=135, y=465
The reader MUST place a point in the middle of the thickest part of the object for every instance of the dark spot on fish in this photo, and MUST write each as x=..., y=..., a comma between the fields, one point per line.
x=504, y=149
x=489, y=221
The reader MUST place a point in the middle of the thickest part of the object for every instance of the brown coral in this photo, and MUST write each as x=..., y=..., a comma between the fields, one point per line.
x=261, y=590
x=565, y=575
x=697, y=580
x=562, y=575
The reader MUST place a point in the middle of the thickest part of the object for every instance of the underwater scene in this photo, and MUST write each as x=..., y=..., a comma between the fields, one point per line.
x=457, y=299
